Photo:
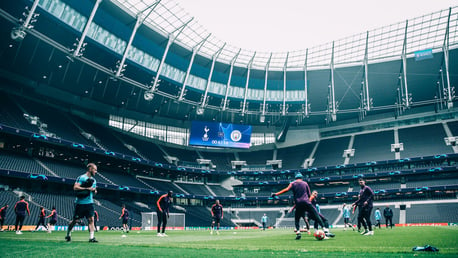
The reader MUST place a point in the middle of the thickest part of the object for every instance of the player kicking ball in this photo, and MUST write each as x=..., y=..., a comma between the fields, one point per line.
x=301, y=193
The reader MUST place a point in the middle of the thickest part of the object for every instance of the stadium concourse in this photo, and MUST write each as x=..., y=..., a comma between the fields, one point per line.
x=155, y=111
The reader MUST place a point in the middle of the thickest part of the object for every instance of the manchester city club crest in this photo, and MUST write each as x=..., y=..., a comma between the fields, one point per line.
x=236, y=135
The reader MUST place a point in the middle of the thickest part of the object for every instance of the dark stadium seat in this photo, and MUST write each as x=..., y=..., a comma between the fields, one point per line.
x=425, y=140
x=373, y=147
x=329, y=152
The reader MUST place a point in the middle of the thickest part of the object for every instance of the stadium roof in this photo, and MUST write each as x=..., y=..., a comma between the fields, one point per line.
x=171, y=18
x=340, y=78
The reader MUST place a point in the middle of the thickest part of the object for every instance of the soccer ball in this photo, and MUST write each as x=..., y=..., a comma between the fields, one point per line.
x=319, y=235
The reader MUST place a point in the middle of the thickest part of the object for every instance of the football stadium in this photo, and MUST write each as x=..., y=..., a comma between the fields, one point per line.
x=128, y=124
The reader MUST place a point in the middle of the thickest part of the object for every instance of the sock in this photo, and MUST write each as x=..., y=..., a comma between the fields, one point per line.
x=91, y=235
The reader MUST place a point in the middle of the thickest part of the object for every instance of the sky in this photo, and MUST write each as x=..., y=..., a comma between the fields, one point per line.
x=280, y=26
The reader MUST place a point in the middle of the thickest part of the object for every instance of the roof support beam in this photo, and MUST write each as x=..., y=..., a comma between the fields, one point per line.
x=172, y=38
x=215, y=56
x=306, y=104
x=129, y=44
x=247, y=82
x=140, y=19
x=31, y=15
x=406, y=99
x=366, y=75
x=284, y=109
x=77, y=52
x=229, y=79
x=191, y=62
x=450, y=94
x=263, y=112
x=333, y=106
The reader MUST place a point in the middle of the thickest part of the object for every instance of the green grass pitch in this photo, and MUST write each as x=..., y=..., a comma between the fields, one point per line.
x=397, y=242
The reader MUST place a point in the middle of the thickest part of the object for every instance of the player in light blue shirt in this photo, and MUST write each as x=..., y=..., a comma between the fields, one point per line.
x=378, y=217
x=346, y=216
x=264, y=221
x=85, y=188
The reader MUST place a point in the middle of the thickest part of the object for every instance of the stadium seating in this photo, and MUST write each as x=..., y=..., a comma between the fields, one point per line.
x=220, y=191
x=108, y=141
x=432, y=213
x=15, y=161
x=182, y=154
x=162, y=186
x=373, y=147
x=11, y=115
x=57, y=122
x=69, y=170
x=222, y=160
x=294, y=157
x=146, y=149
x=449, y=181
x=330, y=151
x=195, y=189
x=256, y=157
x=121, y=179
x=330, y=188
x=431, y=143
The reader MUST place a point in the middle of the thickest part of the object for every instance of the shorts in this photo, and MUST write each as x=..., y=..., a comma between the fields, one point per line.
x=84, y=211
x=346, y=220
x=124, y=220
x=52, y=222
x=216, y=219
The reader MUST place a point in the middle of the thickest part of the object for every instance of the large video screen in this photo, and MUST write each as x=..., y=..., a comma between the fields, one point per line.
x=220, y=135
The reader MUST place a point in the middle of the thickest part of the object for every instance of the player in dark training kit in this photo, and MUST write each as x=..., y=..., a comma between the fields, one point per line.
x=217, y=216
x=301, y=192
x=85, y=188
x=163, y=204
x=53, y=220
x=3, y=216
x=364, y=204
x=41, y=219
x=125, y=218
x=20, y=209
x=323, y=218
x=388, y=214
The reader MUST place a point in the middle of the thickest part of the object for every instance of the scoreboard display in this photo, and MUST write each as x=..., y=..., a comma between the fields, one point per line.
x=220, y=135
